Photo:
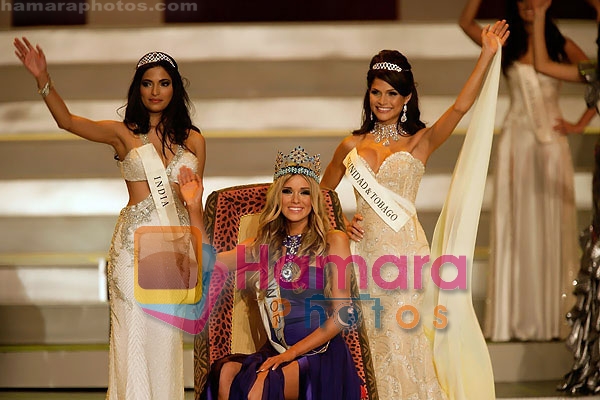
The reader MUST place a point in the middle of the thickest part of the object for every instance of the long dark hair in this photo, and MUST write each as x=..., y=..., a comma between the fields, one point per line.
x=403, y=82
x=516, y=45
x=175, y=121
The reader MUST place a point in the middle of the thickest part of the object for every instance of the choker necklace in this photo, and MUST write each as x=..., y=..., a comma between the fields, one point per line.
x=387, y=132
x=290, y=269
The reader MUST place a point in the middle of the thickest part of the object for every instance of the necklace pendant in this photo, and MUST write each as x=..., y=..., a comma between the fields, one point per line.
x=287, y=272
x=386, y=142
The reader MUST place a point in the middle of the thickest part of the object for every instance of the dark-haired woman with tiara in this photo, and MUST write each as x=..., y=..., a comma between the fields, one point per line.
x=533, y=241
x=155, y=139
x=390, y=151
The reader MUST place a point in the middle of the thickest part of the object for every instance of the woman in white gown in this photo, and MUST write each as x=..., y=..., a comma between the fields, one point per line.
x=533, y=249
x=390, y=151
x=145, y=354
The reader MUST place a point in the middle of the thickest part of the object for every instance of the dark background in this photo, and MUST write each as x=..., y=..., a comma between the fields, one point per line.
x=283, y=11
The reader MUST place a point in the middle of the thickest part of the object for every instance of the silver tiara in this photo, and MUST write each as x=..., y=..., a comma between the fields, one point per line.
x=298, y=162
x=156, y=56
x=388, y=66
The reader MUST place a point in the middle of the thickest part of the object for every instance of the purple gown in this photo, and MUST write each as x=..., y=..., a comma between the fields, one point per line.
x=329, y=375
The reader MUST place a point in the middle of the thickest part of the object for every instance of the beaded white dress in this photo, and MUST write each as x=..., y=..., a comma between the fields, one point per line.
x=402, y=359
x=146, y=354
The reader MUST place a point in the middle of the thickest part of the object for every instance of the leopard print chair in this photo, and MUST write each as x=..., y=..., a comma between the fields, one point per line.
x=234, y=326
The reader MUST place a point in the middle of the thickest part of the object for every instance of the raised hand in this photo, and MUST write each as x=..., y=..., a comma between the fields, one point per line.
x=190, y=187
x=494, y=34
x=33, y=58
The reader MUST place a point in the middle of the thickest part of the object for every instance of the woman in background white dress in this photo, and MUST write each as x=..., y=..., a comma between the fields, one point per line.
x=533, y=254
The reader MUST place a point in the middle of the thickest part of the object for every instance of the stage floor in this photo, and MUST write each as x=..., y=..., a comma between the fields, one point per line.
x=508, y=391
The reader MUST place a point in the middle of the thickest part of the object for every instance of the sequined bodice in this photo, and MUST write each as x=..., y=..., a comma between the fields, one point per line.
x=400, y=172
x=132, y=168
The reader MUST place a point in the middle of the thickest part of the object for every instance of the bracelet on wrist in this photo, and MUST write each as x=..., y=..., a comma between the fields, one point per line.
x=45, y=91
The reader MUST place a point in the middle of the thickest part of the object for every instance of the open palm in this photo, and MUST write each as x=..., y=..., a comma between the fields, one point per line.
x=494, y=35
x=33, y=58
x=190, y=187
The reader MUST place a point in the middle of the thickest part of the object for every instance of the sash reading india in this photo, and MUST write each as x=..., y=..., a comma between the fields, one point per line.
x=392, y=208
x=167, y=257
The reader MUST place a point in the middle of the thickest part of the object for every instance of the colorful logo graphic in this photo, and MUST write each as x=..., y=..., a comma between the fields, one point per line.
x=175, y=274
x=178, y=284
x=346, y=316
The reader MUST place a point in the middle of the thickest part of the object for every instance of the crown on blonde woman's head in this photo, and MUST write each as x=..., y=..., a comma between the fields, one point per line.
x=298, y=162
x=156, y=56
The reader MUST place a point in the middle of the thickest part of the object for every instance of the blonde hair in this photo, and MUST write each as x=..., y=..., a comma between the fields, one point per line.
x=272, y=226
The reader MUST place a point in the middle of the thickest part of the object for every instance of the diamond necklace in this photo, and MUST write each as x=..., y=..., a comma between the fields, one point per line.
x=387, y=132
x=290, y=269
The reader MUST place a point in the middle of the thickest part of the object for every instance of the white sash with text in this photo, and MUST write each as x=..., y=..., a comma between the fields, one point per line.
x=159, y=185
x=392, y=208
x=534, y=103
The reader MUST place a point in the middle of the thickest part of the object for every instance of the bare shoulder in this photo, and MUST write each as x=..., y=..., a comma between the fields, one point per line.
x=118, y=127
x=346, y=145
x=126, y=138
x=350, y=142
x=195, y=142
x=337, y=238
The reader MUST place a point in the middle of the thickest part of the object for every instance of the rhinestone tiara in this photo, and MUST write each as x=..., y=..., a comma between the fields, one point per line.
x=388, y=66
x=156, y=56
x=298, y=162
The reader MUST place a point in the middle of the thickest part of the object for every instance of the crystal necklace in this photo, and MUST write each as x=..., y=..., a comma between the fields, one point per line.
x=387, y=132
x=290, y=269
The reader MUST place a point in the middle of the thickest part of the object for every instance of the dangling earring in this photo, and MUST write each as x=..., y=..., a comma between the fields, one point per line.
x=370, y=115
x=403, y=117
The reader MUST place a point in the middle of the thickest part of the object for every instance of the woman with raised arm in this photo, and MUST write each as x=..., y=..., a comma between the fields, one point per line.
x=585, y=71
x=389, y=151
x=305, y=356
x=533, y=251
x=153, y=141
x=584, y=339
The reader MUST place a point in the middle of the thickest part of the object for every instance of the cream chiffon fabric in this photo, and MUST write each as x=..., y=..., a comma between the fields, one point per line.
x=451, y=363
x=534, y=252
x=460, y=353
